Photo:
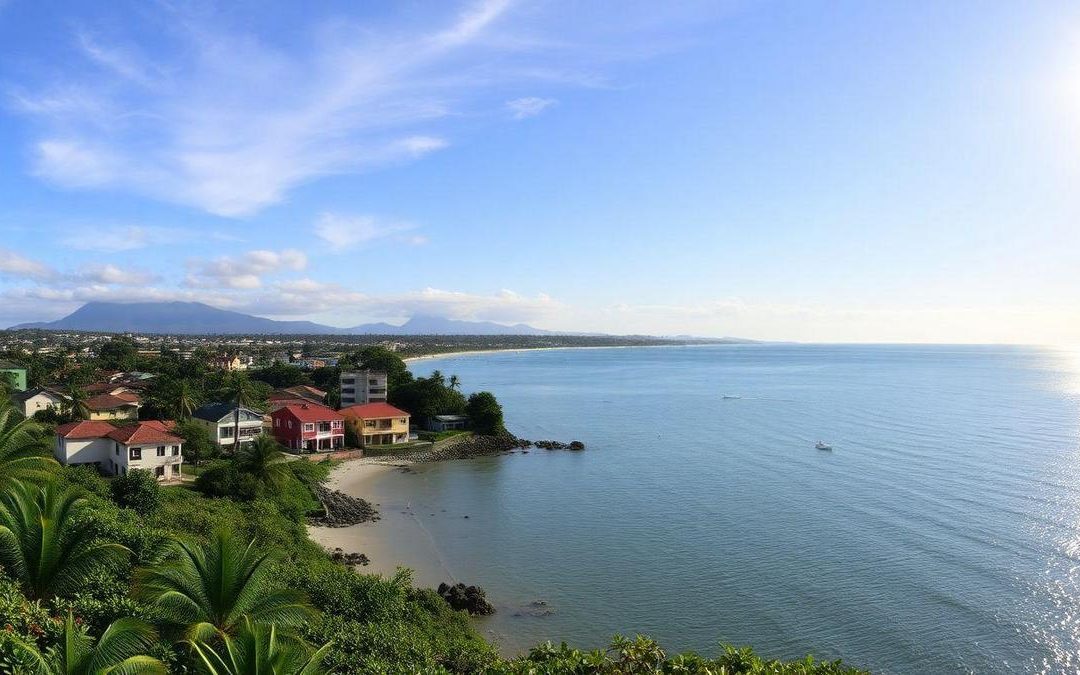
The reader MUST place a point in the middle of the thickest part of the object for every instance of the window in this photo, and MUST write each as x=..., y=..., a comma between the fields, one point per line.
x=175, y=450
x=324, y=426
x=277, y=422
x=159, y=471
x=135, y=453
x=161, y=451
x=290, y=424
x=226, y=432
x=309, y=427
x=117, y=449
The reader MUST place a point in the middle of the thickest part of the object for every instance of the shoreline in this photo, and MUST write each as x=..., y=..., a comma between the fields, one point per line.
x=429, y=357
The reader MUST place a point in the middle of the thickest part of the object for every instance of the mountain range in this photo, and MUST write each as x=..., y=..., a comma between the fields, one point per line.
x=196, y=318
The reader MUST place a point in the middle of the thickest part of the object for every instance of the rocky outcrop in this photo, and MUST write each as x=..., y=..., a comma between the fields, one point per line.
x=348, y=559
x=472, y=599
x=342, y=510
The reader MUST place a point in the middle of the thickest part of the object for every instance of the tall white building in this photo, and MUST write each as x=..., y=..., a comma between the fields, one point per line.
x=363, y=386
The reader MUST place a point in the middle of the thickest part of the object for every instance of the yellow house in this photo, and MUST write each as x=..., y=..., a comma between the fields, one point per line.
x=104, y=407
x=377, y=423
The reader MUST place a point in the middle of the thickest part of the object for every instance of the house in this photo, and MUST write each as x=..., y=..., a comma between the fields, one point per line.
x=363, y=386
x=39, y=398
x=308, y=427
x=447, y=422
x=115, y=450
x=377, y=423
x=15, y=374
x=122, y=406
x=220, y=421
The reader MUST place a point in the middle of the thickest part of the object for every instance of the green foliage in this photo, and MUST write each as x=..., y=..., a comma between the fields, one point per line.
x=259, y=650
x=280, y=375
x=24, y=448
x=382, y=359
x=83, y=477
x=173, y=398
x=427, y=397
x=485, y=413
x=43, y=545
x=263, y=460
x=198, y=446
x=121, y=649
x=209, y=589
x=435, y=436
x=119, y=353
x=137, y=490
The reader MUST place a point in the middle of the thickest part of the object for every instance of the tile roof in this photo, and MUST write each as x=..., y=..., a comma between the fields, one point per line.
x=108, y=402
x=367, y=411
x=302, y=391
x=311, y=412
x=214, y=412
x=85, y=429
x=152, y=431
x=21, y=396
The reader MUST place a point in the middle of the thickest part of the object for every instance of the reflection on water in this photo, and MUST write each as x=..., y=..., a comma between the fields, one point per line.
x=942, y=534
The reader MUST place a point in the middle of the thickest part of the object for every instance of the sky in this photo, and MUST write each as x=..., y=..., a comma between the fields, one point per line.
x=845, y=171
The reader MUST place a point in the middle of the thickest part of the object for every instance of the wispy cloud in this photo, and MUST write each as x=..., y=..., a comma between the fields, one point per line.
x=529, y=106
x=116, y=238
x=245, y=271
x=348, y=232
x=16, y=266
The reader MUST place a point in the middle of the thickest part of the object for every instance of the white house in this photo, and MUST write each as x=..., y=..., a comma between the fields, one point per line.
x=220, y=421
x=116, y=450
x=40, y=398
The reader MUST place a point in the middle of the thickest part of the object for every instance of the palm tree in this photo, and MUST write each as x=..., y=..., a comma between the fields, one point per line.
x=454, y=382
x=258, y=650
x=208, y=590
x=24, y=448
x=185, y=400
x=237, y=388
x=42, y=544
x=437, y=377
x=264, y=460
x=76, y=403
x=120, y=651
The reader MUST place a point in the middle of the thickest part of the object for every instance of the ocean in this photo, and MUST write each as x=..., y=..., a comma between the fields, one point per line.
x=941, y=534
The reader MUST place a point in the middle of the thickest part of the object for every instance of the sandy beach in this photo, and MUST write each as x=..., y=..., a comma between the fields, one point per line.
x=398, y=539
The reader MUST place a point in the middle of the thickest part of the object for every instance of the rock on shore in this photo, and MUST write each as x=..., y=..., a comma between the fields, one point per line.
x=472, y=599
x=477, y=445
x=342, y=510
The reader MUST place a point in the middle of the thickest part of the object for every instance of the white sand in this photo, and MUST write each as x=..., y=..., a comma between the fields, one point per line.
x=399, y=539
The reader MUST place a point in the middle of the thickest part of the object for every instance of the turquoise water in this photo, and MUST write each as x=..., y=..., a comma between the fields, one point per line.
x=942, y=533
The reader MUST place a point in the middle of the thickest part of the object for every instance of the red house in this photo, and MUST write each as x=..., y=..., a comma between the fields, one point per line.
x=308, y=427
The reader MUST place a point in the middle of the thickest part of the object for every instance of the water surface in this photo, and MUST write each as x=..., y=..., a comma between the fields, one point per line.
x=942, y=533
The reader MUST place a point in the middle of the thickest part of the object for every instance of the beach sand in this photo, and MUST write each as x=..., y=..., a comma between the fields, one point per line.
x=398, y=539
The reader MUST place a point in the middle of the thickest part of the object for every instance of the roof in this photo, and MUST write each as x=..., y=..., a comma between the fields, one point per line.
x=214, y=412
x=85, y=429
x=451, y=418
x=302, y=391
x=108, y=402
x=152, y=431
x=21, y=396
x=310, y=412
x=127, y=396
x=367, y=411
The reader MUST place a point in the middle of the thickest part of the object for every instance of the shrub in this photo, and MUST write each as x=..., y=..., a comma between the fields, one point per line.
x=485, y=413
x=138, y=490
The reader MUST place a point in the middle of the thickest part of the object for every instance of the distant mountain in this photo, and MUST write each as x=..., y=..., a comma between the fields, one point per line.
x=179, y=318
x=196, y=318
x=436, y=325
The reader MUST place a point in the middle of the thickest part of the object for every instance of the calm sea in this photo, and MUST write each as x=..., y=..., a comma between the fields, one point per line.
x=942, y=533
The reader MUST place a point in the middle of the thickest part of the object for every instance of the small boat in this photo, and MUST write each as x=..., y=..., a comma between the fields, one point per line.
x=728, y=397
x=822, y=445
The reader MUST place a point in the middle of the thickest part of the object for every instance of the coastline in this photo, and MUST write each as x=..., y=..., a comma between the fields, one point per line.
x=428, y=357
x=398, y=539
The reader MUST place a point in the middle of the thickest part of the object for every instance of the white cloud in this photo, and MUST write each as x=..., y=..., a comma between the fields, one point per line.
x=529, y=106
x=245, y=271
x=20, y=267
x=111, y=274
x=116, y=238
x=347, y=232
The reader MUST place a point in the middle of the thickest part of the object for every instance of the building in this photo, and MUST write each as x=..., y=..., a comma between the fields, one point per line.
x=116, y=450
x=122, y=406
x=377, y=423
x=447, y=422
x=15, y=374
x=308, y=427
x=300, y=392
x=39, y=398
x=220, y=420
x=363, y=386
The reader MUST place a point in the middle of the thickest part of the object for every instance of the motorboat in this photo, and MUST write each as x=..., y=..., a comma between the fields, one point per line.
x=822, y=445
x=729, y=397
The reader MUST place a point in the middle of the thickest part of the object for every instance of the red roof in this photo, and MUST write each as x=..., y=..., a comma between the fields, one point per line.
x=107, y=402
x=310, y=412
x=152, y=431
x=85, y=429
x=127, y=396
x=369, y=411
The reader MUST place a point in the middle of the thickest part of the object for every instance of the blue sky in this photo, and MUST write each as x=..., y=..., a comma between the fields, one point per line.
x=841, y=171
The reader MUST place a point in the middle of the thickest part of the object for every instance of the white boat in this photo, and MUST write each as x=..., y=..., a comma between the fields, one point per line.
x=728, y=397
x=822, y=445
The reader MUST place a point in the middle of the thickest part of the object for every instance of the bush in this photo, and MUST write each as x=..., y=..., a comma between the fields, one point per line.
x=198, y=446
x=138, y=491
x=485, y=413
